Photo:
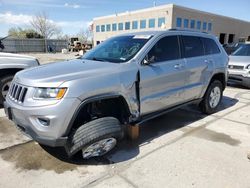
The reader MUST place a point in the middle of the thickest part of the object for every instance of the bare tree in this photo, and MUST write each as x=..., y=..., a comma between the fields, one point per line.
x=85, y=35
x=44, y=27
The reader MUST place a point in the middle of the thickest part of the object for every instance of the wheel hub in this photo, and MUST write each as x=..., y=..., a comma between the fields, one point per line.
x=99, y=148
x=214, y=98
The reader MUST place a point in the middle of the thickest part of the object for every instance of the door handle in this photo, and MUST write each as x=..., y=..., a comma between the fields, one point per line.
x=178, y=66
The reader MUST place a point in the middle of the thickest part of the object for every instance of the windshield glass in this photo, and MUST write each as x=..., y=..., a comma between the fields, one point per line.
x=118, y=49
x=244, y=50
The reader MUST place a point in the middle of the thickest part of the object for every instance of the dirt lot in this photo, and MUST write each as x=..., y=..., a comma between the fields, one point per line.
x=181, y=149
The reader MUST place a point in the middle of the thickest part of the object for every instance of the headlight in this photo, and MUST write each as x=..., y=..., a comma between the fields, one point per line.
x=49, y=93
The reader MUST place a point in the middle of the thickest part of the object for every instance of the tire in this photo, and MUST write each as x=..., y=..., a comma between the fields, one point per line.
x=205, y=105
x=93, y=132
x=4, y=86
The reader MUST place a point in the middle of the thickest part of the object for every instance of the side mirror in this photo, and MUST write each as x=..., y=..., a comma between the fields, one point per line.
x=148, y=61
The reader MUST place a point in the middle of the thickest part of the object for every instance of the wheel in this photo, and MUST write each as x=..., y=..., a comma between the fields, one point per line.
x=97, y=137
x=4, y=86
x=212, y=98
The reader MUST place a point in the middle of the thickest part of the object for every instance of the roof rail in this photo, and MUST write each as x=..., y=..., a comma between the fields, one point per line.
x=195, y=31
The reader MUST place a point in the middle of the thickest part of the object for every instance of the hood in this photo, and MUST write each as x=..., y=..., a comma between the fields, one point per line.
x=54, y=74
x=11, y=55
x=239, y=60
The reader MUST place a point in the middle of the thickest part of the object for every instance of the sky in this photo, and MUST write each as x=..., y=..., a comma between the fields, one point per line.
x=75, y=15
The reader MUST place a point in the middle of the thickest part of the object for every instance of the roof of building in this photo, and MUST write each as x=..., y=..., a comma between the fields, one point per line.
x=163, y=7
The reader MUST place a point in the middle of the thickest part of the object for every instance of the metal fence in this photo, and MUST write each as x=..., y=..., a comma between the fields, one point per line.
x=33, y=45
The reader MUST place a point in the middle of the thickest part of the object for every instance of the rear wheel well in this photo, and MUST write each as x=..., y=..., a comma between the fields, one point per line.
x=220, y=77
x=111, y=107
x=5, y=72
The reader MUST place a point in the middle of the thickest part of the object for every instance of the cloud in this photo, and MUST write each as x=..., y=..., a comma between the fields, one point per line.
x=72, y=5
x=15, y=19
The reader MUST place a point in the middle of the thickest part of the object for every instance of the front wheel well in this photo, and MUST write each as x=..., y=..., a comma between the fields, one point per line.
x=5, y=72
x=111, y=107
x=220, y=77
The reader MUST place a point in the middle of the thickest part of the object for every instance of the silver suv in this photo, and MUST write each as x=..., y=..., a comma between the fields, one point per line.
x=84, y=104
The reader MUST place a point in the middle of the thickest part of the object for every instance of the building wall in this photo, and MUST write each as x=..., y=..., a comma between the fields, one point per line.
x=220, y=24
x=215, y=24
x=145, y=14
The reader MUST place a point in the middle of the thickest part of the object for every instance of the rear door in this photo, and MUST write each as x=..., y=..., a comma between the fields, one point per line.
x=162, y=81
x=196, y=65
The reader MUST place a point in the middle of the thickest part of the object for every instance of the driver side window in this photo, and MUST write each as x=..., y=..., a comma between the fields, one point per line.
x=165, y=49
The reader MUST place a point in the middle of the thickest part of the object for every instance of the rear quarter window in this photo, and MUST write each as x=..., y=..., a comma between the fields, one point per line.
x=192, y=46
x=210, y=46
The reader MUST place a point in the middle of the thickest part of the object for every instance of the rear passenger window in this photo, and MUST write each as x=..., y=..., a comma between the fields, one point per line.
x=165, y=49
x=210, y=46
x=192, y=46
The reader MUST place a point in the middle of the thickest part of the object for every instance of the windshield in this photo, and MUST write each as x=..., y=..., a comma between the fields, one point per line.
x=244, y=50
x=118, y=49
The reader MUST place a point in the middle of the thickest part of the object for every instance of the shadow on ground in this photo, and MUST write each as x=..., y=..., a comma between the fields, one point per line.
x=31, y=156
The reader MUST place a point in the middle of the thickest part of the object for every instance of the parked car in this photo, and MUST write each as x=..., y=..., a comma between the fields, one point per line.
x=239, y=66
x=85, y=104
x=10, y=64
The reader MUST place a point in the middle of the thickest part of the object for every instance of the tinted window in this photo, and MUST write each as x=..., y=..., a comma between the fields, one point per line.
x=135, y=25
x=108, y=27
x=192, y=24
x=114, y=27
x=210, y=46
x=192, y=46
x=244, y=50
x=165, y=49
x=161, y=21
x=198, y=26
x=151, y=23
x=186, y=23
x=143, y=24
x=178, y=22
x=120, y=26
x=127, y=25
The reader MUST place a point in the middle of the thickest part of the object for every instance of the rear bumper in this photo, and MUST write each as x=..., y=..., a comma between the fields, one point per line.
x=239, y=79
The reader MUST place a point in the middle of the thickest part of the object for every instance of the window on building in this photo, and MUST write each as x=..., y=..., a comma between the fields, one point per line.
x=151, y=23
x=161, y=22
x=114, y=27
x=178, y=22
x=120, y=26
x=209, y=26
x=97, y=28
x=186, y=23
x=210, y=46
x=108, y=27
x=135, y=25
x=192, y=24
x=102, y=28
x=165, y=49
x=143, y=24
x=127, y=25
x=204, y=27
x=198, y=25
x=192, y=46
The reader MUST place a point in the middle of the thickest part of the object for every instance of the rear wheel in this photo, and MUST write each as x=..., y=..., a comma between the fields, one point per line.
x=212, y=98
x=97, y=137
x=5, y=86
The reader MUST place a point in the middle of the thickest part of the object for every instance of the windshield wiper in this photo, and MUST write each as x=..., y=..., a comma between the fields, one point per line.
x=98, y=59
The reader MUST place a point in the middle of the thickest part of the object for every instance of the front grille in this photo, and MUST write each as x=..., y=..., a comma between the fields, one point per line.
x=236, y=67
x=17, y=92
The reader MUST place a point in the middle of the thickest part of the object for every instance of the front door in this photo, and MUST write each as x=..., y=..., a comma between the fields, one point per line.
x=162, y=81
